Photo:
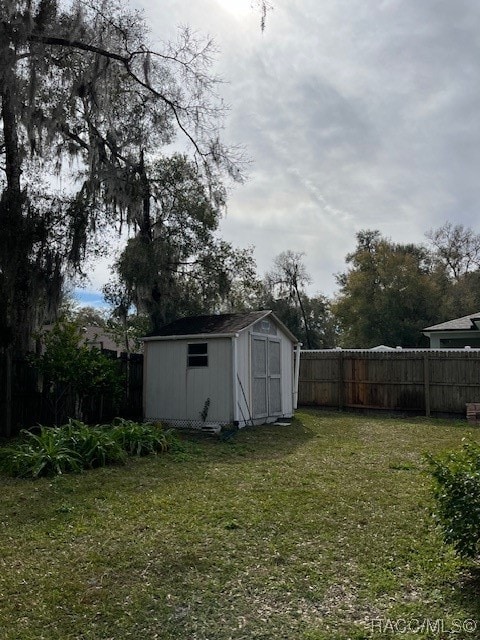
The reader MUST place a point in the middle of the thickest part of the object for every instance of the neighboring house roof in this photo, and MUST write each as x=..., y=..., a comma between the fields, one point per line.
x=382, y=347
x=222, y=324
x=96, y=337
x=459, y=324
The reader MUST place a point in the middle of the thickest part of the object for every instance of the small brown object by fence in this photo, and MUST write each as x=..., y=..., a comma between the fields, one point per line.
x=473, y=412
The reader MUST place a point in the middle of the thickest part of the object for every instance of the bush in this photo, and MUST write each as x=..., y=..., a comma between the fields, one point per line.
x=83, y=369
x=140, y=438
x=95, y=445
x=77, y=446
x=47, y=453
x=456, y=490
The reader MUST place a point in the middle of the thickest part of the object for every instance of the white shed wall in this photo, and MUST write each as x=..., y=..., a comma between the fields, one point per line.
x=243, y=380
x=174, y=391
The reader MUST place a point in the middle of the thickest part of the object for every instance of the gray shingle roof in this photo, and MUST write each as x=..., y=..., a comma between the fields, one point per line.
x=459, y=324
x=95, y=336
x=224, y=323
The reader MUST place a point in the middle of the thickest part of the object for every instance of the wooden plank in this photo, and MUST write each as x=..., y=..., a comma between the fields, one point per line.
x=341, y=381
x=424, y=380
x=426, y=377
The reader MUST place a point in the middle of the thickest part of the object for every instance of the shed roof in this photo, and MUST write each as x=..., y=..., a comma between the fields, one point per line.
x=464, y=323
x=221, y=324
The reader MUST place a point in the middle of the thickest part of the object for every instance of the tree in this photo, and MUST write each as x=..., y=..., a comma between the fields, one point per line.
x=456, y=256
x=66, y=364
x=79, y=82
x=284, y=293
x=323, y=326
x=321, y=322
x=456, y=248
x=286, y=281
x=175, y=264
x=388, y=295
x=83, y=316
x=82, y=92
x=462, y=297
x=125, y=327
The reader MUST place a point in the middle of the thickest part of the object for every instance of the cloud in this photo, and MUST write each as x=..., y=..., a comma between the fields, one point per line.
x=356, y=114
x=88, y=298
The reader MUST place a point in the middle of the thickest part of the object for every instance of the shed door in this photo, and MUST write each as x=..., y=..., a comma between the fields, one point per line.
x=259, y=377
x=274, y=378
x=266, y=377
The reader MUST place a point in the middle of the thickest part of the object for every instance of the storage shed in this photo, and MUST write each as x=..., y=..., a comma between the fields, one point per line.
x=211, y=371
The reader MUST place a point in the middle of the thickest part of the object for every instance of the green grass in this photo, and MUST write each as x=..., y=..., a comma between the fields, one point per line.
x=313, y=532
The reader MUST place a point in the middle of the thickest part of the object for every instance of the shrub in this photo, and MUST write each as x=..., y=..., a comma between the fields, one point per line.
x=140, y=438
x=95, y=445
x=77, y=446
x=456, y=490
x=85, y=370
x=46, y=453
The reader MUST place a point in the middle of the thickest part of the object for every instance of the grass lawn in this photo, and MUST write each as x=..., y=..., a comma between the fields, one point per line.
x=320, y=530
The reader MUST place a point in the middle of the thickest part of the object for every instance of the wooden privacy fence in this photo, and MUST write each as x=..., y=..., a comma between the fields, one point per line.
x=421, y=381
x=33, y=400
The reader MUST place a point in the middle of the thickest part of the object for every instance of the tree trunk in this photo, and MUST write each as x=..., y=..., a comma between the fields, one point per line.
x=10, y=220
x=12, y=225
x=145, y=221
x=6, y=363
x=305, y=323
x=13, y=168
x=78, y=407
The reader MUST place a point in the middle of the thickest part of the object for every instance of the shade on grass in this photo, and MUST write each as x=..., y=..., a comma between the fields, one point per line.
x=313, y=531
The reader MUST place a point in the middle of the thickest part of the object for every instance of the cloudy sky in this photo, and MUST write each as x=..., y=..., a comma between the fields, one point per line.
x=355, y=114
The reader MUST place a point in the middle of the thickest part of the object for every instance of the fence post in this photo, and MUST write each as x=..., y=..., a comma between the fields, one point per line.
x=341, y=390
x=426, y=383
x=7, y=366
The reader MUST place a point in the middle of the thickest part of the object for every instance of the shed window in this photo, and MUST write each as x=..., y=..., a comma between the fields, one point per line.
x=198, y=354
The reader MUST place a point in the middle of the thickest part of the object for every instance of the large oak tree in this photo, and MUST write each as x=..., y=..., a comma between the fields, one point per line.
x=176, y=264
x=387, y=295
x=84, y=96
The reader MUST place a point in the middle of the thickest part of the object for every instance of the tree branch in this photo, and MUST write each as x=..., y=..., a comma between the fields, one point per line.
x=125, y=60
x=77, y=44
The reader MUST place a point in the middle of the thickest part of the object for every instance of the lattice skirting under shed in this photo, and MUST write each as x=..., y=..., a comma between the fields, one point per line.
x=194, y=425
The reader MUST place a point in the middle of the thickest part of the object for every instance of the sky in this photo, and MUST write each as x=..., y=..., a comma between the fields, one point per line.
x=355, y=114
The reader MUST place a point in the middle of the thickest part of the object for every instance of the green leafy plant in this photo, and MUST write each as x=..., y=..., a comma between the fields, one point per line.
x=456, y=491
x=45, y=453
x=77, y=446
x=139, y=439
x=66, y=363
x=204, y=411
x=96, y=445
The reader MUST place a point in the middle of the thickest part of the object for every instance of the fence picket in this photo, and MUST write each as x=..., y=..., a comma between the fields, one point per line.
x=33, y=403
x=425, y=381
